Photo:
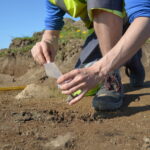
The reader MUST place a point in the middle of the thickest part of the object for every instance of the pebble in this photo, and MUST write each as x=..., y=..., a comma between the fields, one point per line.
x=59, y=141
x=146, y=140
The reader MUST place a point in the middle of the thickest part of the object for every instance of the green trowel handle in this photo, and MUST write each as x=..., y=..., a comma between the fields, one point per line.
x=91, y=92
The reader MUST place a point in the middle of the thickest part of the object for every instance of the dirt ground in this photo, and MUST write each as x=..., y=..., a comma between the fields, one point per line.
x=50, y=124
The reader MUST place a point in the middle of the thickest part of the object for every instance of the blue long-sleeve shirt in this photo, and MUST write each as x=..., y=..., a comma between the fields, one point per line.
x=54, y=17
x=134, y=9
x=137, y=8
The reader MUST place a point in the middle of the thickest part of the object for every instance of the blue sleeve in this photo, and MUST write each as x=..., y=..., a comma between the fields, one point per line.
x=137, y=8
x=54, y=17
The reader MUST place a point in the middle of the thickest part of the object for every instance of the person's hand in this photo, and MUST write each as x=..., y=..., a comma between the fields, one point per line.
x=79, y=79
x=44, y=51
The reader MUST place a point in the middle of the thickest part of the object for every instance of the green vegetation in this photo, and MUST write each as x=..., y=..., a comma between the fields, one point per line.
x=72, y=32
x=65, y=36
x=22, y=49
x=25, y=38
x=16, y=50
x=24, y=44
x=3, y=53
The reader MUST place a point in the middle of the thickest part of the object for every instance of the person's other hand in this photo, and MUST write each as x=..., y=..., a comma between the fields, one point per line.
x=79, y=79
x=44, y=52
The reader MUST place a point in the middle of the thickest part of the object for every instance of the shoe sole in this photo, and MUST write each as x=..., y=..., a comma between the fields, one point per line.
x=101, y=105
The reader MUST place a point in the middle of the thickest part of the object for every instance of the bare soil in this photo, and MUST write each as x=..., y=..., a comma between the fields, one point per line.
x=50, y=124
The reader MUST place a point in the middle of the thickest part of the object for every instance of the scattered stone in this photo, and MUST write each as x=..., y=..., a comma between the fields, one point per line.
x=40, y=138
x=146, y=140
x=7, y=146
x=89, y=117
x=34, y=91
x=146, y=145
x=23, y=116
x=61, y=141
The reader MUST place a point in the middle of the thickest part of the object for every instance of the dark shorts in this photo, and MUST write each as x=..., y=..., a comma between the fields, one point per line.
x=107, y=4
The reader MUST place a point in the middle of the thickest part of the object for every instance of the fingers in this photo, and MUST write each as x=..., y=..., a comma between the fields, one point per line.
x=72, y=83
x=74, y=89
x=38, y=54
x=76, y=80
x=78, y=98
x=43, y=52
x=68, y=76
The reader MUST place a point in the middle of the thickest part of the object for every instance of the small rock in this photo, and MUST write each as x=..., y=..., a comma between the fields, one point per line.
x=146, y=140
x=34, y=91
x=40, y=138
x=6, y=147
x=60, y=141
x=146, y=145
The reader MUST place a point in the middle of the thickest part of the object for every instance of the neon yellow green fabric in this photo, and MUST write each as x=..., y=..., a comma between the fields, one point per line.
x=115, y=12
x=76, y=93
x=91, y=92
x=75, y=8
x=79, y=9
x=53, y=1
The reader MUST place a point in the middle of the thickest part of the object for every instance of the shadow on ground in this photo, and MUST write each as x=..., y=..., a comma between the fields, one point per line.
x=125, y=110
x=128, y=88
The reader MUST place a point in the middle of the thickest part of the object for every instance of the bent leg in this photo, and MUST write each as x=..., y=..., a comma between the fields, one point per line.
x=108, y=28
